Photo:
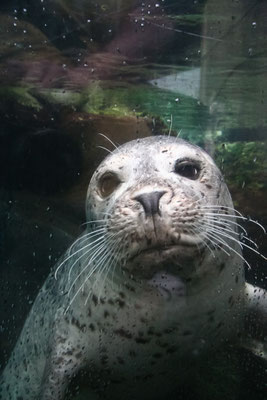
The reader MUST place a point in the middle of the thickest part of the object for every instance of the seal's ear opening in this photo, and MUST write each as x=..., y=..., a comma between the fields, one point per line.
x=44, y=162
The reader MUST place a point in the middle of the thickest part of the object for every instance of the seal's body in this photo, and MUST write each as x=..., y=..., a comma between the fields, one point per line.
x=156, y=281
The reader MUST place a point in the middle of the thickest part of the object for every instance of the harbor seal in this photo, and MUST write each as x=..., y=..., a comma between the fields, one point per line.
x=156, y=281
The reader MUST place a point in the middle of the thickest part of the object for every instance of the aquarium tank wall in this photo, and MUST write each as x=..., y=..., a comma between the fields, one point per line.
x=77, y=77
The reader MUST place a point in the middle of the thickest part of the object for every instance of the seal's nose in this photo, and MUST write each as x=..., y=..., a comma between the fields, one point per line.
x=150, y=202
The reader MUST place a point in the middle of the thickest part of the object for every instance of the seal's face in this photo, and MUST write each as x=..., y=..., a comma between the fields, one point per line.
x=152, y=195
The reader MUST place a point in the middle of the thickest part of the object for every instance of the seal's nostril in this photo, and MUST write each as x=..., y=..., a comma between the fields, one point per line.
x=150, y=202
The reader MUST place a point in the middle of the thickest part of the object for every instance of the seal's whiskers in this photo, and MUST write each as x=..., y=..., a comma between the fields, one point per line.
x=103, y=251
x=226, y=222
x=198, y=233
x=108, y=139
x=86, y=238
x=103, y=258
x=221, y=233
x=99, y=248
x=220, y=240
x=239, y=217
x=69, y=256
x=91, y=246
x=106, y=265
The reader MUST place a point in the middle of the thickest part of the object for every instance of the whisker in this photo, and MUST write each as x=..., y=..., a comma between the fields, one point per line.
x=223, y=234
x=99, y=265
x=243, y=237
x=104, y=148
x=226, y=222
x=101, y=262
x=84, y=281
x=216, y=244
x=230, y=230
x=178, y=134
x=93, y=222
x=73, y=254
x=220, y=228
x=221, y=240
x=95, y=244
x=108, y=139
x=107, y=266
x=120, y=251
x=240, y=244
x=197, y=232
x=216, y=207
x=170, y=129
x=86, y=236
x=99, y=249
x=238, y=216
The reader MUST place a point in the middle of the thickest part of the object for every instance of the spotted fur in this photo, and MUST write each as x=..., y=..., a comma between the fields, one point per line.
x=148, y=288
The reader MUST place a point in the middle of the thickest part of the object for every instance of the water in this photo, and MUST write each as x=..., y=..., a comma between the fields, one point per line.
x=127, y=69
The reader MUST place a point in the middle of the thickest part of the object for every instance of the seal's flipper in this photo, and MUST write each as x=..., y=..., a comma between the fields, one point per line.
x=256, y=321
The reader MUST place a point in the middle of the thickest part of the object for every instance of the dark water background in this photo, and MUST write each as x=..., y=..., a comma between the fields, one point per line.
x=128, y=69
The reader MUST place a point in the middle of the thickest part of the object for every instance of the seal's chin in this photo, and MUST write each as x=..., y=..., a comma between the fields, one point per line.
x=162, y=254
x=175, y=259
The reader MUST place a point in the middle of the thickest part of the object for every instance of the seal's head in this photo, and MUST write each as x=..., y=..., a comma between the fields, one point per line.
x=158, y=199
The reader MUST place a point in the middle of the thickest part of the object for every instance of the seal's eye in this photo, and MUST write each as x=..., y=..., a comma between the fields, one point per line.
x=187, y=168
x=108, y=183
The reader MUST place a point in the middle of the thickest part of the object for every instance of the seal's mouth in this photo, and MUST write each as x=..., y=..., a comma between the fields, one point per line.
x=177, y=260
x=164, y=252
x=161, y=250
